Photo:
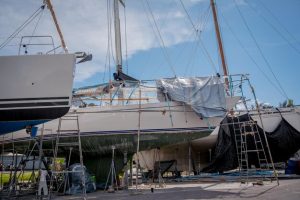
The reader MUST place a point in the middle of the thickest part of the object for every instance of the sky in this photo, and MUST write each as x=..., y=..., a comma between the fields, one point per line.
x=164, y=39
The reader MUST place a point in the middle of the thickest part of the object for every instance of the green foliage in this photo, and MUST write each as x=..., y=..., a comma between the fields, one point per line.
x=287, y=103
x=22, y=177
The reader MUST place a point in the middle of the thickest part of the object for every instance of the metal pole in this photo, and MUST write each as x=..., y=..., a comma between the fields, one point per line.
x=81, y=159
x=138, y=139
x=2, y=163
x=112, y=167
x=63, y=44
x=126, y=170
x=262, y=126
x=190, y=158
x=117, y=37
x=199, y=162
x=131, y=177
x=219, y=39
x=40, y=154
x=41, y=147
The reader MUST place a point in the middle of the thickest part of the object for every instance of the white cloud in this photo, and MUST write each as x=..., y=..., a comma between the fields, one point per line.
x=241, y=2
x=84, y=71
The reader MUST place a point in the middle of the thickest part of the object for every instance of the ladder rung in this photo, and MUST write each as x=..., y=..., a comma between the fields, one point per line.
x=68, y=131
x=68, y=144
x=252, y=150
x=66, y=172
x=66, y=116
x=246, y=133
x=69, y=119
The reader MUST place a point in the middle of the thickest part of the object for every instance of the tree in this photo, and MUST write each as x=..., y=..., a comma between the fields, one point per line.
x=287, y=103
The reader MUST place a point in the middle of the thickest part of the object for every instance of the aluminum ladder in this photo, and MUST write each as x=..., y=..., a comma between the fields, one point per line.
x=245, y=133
x=69, y=118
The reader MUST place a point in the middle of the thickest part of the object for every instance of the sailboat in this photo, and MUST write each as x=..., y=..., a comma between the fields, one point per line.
x=146, y=109
x=131, y=110
x=199, y=151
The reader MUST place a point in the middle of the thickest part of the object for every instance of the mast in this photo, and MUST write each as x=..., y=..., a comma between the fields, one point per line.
x=220, y=45
x=118, y=35
x=118, y=46
x=63, y=44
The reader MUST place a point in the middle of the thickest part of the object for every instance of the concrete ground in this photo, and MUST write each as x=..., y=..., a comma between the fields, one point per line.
x=288, y=189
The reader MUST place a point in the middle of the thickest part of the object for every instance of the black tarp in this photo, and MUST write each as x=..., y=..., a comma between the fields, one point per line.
x=284, y=141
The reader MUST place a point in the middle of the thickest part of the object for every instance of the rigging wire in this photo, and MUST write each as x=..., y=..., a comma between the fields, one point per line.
x=108, y=52
x=191, y=59
x=259, y=49
x=164, y=49
x=163, y=23
x=35, y=27
x=199, y=40
x=150, y=54
x=20, y=28
x=278, y=21
x=249, y=55
x=203, y=22
x=275, y=29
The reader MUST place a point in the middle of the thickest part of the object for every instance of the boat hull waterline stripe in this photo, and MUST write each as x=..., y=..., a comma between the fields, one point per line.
x=38, y=104
x=99, y=133
x=35, y=113
x=36, y=99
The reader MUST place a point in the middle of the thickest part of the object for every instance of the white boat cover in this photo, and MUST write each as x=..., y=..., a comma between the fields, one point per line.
x=206, y=95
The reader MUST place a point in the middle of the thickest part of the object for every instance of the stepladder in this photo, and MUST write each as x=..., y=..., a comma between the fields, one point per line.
x=253, y=153
x=67, y=148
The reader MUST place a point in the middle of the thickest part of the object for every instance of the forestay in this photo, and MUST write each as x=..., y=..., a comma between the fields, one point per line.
x=205, y=95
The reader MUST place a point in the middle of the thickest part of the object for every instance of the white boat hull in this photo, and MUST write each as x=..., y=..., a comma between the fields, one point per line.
x=155, y=118
x=34, y=89
x=200, y=148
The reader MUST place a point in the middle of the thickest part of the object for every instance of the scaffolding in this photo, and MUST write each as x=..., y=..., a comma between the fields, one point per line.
x=246, y=132
x=20, y=183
